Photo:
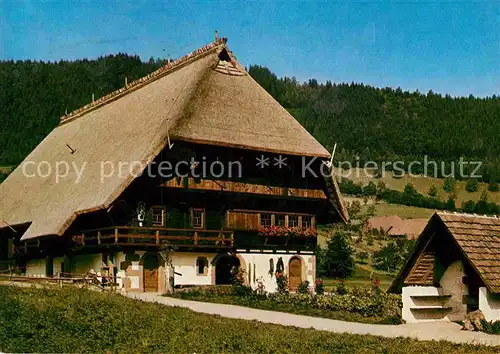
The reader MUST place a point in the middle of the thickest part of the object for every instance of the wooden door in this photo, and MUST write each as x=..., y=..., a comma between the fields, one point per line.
x=150, y=266
x=294, y=273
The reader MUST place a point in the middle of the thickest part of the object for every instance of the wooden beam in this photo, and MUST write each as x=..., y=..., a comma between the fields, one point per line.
x=240, y=187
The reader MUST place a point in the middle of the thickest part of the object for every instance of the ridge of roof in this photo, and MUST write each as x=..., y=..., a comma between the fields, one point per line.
x=467, y=215
x=136, y=84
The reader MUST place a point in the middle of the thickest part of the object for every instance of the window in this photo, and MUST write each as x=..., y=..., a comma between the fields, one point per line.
x=198, y=218
x=293, y=221
x=157, y=216
x=201, y=266
x=280, y=220
x=265, y=220
x=306, y=222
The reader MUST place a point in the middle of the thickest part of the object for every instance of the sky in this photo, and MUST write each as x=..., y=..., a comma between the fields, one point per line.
x=446, y=47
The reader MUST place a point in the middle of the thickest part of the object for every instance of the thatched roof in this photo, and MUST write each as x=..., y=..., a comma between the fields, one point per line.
x=204, y=97
x=477, y=237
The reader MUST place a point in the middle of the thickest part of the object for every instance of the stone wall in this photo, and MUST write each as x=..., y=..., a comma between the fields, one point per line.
x=452, y=284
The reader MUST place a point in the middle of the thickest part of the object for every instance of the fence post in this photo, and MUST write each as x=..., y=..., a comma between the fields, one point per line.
x=116, y=235
x=196, y=237
x=157, y=237
x=98, y=237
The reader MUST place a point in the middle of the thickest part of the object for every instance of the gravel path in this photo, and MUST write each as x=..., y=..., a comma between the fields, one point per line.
x=447, y=331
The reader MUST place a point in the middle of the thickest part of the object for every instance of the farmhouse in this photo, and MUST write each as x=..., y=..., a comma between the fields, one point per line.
x=455, y=269
x=178, y=176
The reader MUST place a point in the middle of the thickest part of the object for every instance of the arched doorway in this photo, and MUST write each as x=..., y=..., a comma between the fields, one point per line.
x=294, y=273
x=150, y=264
x=223, y=268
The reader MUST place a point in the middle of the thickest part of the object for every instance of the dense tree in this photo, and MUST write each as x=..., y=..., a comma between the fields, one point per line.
x=34, y=94
x=337, y=259
x=391, y=257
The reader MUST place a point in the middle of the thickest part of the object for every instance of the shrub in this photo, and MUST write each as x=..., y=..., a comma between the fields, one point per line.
x=319, y=287
x=282, y=282
x=450, y=204
x=492, y=327
x=303, y=287
x=449, y=185
x=471, y=185
x=341, y=288
x=493, y=186
x=363, y=257
x=370, y=189
x=433, y=192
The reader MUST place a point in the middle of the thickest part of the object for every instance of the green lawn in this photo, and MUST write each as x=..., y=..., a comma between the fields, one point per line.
x=73, y=320
x=361, y=277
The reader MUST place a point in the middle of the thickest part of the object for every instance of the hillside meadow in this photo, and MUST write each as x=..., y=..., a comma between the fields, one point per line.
x=422, y=185
x=78, y=320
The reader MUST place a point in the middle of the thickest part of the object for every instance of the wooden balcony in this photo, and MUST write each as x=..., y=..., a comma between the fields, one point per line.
x=126, y=236
x=192, y=184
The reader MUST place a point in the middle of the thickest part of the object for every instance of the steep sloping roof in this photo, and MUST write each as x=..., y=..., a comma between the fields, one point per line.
x=412, y=228
x=196, y=98
x=478, y=238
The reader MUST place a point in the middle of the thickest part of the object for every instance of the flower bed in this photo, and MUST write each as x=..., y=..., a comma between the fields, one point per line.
x=358, y=304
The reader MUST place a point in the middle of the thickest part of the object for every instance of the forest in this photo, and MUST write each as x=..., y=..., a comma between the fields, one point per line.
x=378, y=124
x=386, y=124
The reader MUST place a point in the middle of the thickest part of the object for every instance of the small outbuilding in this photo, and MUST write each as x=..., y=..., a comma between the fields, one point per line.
x=454, y=269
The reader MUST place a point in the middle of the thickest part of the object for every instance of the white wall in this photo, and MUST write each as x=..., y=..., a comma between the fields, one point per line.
x=489, y=305
x=412, y=303
x=36, y=267
x=84, y=263
x=185, y=265
x=257, y=266
x=120, y=274
x=57, y=265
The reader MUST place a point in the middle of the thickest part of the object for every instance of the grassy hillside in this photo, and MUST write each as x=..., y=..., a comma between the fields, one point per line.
x=422, y=185
x=404, y=211
x=71, y=320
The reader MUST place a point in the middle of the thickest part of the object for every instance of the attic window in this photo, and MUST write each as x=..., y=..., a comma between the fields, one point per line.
x=226, y=64
x=224, y=55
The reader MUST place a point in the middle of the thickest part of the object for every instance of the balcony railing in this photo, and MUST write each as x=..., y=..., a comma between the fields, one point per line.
x=154, y=237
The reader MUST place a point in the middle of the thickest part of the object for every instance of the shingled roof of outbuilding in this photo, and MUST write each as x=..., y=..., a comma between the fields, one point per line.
x=478, y=238
x=199, y=98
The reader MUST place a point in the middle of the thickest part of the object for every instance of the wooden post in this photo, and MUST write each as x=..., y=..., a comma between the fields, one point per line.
x=232, y=239
x=196, y=237
x=98, y=237
x=157, y=237
x=116, y=236
x=83, y=240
